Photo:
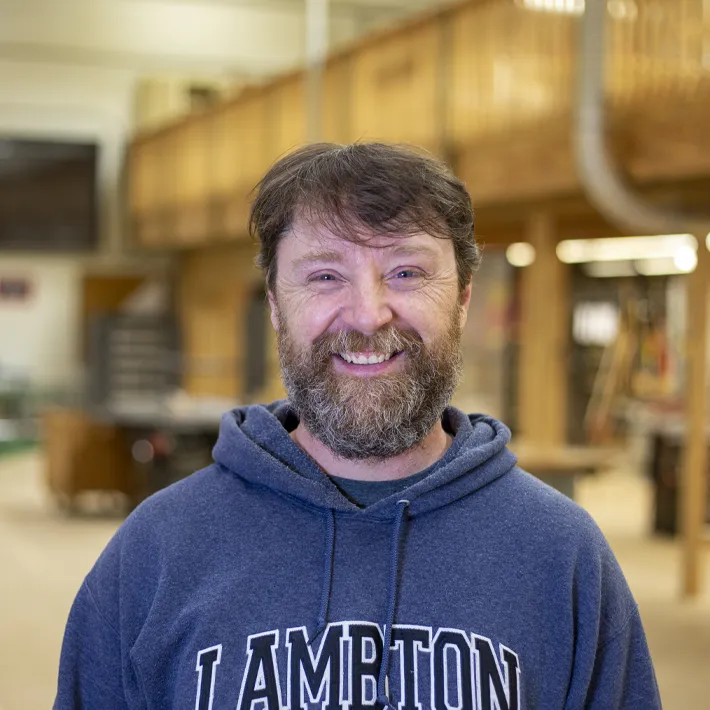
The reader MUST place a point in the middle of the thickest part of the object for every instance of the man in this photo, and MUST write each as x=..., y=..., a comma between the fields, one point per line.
x=362, y=544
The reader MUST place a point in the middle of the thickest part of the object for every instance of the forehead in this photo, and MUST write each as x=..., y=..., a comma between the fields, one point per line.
x=304, y=239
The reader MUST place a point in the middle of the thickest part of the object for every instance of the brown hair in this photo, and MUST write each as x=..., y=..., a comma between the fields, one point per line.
x=360, y=189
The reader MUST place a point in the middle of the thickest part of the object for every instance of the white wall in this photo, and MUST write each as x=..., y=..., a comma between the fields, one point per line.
x=39, y=338
x=250, y=38
x=74, y=103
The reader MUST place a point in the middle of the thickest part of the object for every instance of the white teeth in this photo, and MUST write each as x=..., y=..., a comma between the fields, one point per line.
x=361, y=359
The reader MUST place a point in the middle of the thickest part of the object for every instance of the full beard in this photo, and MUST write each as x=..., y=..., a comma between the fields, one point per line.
x=379, y=416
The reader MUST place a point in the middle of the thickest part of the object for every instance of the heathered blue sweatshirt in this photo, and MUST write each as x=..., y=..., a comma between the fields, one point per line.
x=255, y=585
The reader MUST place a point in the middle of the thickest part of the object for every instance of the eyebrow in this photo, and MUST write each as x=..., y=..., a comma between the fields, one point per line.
x=316, y=257
x=332, y=256
x=409, y=250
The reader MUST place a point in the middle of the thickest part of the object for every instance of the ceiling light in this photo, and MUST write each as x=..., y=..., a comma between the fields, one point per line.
x=685, y=259
x=566, y=7
x=609, y=269
x=623, y=9
x=659, y=267
x=580, y=251
x=520, y=254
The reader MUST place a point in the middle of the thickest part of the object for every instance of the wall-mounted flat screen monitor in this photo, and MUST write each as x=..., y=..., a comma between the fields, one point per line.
x=48, y=195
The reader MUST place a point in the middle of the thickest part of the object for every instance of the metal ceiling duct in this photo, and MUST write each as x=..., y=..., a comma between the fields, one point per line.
x=605, y=186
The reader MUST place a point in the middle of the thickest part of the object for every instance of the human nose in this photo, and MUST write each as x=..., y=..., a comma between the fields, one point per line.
x=367, y=309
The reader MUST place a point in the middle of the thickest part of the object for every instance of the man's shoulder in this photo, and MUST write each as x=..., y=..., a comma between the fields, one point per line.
x=532, y=508
x=198, y=486
x=194, y=499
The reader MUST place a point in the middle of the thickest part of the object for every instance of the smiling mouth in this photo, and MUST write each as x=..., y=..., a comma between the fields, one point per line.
x=366, y=358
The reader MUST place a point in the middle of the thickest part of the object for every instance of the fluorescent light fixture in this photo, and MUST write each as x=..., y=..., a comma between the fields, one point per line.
x=663, y=267
x=595, y=323
x=609, y=269
x=623, y=9
x=566, y=7
x=685, y=259
x=580, y=251
x=707, y=242
x=520, y=254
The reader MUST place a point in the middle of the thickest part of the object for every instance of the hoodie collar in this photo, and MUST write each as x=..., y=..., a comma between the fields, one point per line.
x=254, y=443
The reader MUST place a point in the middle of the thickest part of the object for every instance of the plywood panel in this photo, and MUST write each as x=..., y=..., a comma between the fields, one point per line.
x=251, y=127
x=659, y=140
x=102, y=294
x=215, y=285
x=240, y=159
x=337, y=101
x=290, y=129
x=239, y=151
x=192, y=150
x=170, y=146
x=142, y=177
x=148, y=191
x=82, y=454
x=395, y=88
x=223, y=163
x=509, y=66
x=513, y=167
x=188, y=202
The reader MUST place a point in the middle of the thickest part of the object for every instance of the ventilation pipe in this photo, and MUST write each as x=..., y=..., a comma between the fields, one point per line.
x=605, y=186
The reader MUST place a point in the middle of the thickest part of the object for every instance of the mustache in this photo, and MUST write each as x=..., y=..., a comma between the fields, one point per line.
x=388, y=340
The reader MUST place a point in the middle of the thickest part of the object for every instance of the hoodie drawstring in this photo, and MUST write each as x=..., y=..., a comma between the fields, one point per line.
x=382, y=689
x=328, y=561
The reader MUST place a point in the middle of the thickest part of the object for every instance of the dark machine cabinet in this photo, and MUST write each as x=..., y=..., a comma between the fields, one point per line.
x=666, y=473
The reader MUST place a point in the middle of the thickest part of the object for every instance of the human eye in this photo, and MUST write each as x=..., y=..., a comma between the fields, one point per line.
x=407, y=273
x=323, y=278
x=406, y=278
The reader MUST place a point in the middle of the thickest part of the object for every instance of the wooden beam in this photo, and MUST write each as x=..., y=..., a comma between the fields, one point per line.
x=695, y=463
x=214, y=288
x=543, y=339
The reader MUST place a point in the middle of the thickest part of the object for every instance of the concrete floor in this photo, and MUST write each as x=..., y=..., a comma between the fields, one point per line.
x=44, y=556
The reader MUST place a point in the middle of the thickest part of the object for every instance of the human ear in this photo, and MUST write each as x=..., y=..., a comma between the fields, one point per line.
x=464, y=302
x=273, y=310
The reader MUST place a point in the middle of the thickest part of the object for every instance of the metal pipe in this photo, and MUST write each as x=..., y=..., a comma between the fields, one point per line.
x=316, y=52
x=606, y=188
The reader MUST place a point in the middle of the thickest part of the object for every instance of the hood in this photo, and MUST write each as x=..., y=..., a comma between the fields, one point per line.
x=254, y=444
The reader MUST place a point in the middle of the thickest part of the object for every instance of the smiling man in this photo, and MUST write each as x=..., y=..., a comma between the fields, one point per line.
x=361, y=544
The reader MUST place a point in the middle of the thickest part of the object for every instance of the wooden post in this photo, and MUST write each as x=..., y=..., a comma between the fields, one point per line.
x=695, y=459
x=542, y=394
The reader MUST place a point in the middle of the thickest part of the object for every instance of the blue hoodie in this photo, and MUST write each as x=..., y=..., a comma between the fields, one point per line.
x=255, y=584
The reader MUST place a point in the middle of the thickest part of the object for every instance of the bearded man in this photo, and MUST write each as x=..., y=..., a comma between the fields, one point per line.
x=362, y=544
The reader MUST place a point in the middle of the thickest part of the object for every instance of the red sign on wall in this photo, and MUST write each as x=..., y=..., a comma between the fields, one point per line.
x=14, y=288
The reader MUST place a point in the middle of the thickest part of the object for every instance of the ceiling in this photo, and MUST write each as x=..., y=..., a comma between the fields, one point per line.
x=247, y=38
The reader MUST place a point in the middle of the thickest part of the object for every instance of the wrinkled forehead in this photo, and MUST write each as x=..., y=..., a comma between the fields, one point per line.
x=308, y=236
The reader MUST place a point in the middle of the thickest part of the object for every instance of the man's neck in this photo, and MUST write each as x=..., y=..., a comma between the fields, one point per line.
x=416, y=459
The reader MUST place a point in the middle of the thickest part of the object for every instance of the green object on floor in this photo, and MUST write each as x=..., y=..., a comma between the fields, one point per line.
x=16, y=446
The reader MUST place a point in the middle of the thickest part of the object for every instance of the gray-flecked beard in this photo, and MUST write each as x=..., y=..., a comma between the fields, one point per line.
x=373, y=417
